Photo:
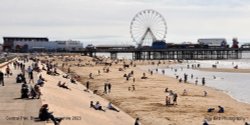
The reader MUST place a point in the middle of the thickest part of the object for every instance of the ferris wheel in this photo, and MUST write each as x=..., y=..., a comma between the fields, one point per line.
x=148, y=26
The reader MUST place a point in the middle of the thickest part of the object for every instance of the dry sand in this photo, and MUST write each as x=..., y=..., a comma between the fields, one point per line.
x=148, y=101
x=74, y=104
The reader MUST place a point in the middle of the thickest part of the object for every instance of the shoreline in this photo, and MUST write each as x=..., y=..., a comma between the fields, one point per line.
x=222, y=70
x=216, y=89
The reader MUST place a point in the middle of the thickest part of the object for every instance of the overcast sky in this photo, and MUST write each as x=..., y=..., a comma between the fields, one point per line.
x=108, y=21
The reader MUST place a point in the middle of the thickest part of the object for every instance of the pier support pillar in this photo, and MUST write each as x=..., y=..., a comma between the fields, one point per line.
x=113, y=55
x=91, y=54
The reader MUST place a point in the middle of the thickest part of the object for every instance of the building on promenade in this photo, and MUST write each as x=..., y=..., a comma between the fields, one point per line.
x=8, y=42
x=69, y=45
x=31, y=44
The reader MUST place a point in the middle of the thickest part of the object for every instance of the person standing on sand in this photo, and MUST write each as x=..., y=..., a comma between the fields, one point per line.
x=7, y=71
x=87, y=85
x=30, y=72
x=151, y=72
x=185, y=77
x=203, y=81
x=99, y=72
x=133, y=87
x=109, y=87
x=105, y=88
x=137, y=121
x=175, y=98
x=205, y=93
x=196, y=81
x=1, y=78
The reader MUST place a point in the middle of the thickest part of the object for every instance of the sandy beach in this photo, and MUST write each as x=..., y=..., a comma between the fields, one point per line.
x=148, y=100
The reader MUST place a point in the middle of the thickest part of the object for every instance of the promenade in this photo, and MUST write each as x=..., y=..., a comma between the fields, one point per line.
x=13, y=110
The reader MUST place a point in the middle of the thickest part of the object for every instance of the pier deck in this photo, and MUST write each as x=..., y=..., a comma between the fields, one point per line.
x=172, y=54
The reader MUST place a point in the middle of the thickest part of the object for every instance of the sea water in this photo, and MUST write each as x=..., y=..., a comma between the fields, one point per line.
x=235, y=84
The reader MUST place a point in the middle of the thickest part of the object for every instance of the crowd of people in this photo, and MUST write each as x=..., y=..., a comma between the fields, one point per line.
x=32, y=90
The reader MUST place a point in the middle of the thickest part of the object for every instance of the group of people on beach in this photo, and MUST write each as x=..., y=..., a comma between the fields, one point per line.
x=98, y=106
x=31, y=90
x=171, y=97
x=107, y=87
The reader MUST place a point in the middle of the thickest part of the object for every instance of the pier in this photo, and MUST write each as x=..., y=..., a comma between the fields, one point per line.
x=172, y=54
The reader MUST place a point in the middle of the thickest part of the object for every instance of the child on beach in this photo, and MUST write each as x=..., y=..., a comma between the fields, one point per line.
x=185, y=93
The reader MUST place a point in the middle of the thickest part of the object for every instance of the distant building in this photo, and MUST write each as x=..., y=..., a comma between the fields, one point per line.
x=69, y=45
x=8, y=42
x=29, y=44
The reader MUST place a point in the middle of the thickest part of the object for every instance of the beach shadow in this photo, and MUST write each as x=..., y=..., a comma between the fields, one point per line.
x=36, y=119
x=23, y=98
x=158, y=104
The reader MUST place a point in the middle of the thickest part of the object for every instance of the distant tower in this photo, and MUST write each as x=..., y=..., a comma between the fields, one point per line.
x=235, y=43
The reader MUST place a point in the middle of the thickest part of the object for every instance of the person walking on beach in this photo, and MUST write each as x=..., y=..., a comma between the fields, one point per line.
x=203, y=81
x=1, y=78
x=30, y=72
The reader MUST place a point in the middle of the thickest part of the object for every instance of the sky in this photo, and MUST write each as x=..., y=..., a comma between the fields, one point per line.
x=108, y=21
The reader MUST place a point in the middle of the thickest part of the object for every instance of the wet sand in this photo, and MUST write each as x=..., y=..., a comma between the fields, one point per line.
x=148, y=100
x=225, y=70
